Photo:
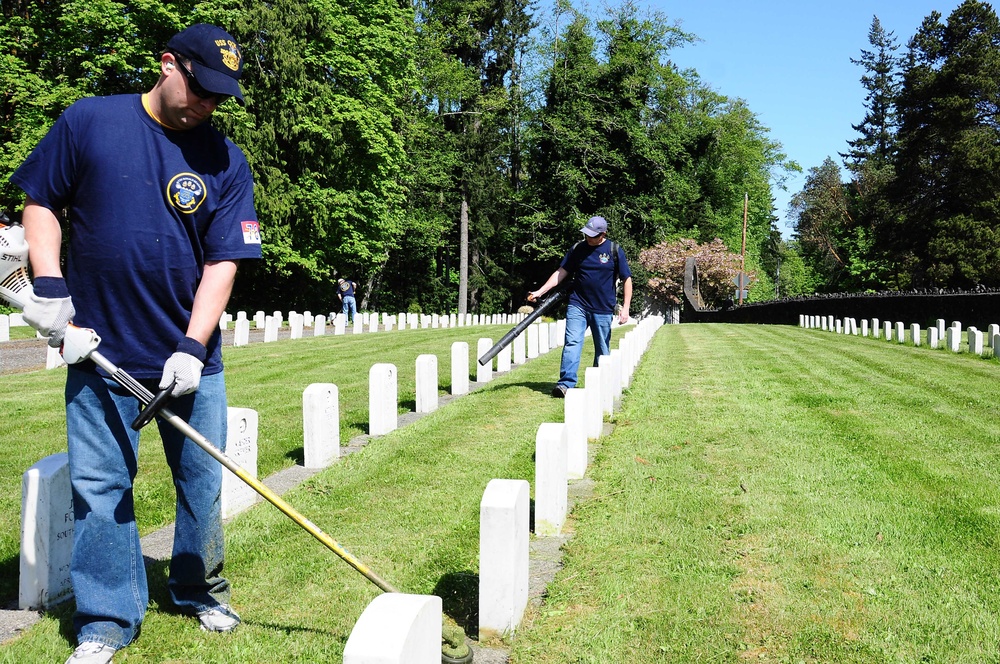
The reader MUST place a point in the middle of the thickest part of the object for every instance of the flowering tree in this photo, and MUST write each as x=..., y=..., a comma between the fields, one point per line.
x=717, y=266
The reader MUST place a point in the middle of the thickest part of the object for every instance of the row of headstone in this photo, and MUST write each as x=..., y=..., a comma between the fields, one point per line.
x=560, y=455
x=504, y=512
x=299, y=322
x=47, y=518
x=951, y=336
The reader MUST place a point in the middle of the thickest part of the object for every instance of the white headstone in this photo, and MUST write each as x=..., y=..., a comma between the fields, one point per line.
x=595, y=410
x=519, y=349
x=427, y=383
x=53, y=358
x=553, y=335
x=504, y=359
x=46, y=534
x=900, y=333
x=607, y=384
x=241, y=447
x=551, y=483
x=504, y=514
x=975, y=341
x=4, y=327
x=933, y=337
x=954, y=338
x=532, y=332
x=258, y=319
x=459, y=368
x=320, y=425
x=543, y=337
x=271, y=325
x=397, y=628
x=319, y=326
x=915, y=334
x=241, y=337
x=864, y=327
x=484, y=372
x=383, y=399
x=575, y=416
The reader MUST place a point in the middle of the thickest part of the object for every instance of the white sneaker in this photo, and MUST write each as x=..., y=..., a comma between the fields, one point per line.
x=220, y=618
x=91, y=652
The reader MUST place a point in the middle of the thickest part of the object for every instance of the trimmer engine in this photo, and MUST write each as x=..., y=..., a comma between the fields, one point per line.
x=15, y=287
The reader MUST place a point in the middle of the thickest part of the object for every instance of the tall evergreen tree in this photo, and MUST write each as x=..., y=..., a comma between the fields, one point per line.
x=946, y=190
x=874, y=148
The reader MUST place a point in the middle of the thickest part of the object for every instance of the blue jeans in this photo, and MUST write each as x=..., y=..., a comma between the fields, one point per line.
x=350, y=309
x=577, y=322
x=107, y=570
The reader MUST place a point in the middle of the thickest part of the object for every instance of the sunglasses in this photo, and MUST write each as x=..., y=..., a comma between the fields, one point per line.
x=195, y=86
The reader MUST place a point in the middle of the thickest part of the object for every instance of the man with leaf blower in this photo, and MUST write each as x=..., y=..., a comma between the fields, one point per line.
x=160, y=211
x=595, y=265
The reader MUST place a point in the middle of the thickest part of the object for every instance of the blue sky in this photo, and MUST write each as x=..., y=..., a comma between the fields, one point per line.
x=791, y=61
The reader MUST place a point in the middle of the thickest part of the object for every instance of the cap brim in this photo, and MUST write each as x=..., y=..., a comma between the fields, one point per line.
x=216, y=81
x=589, y=233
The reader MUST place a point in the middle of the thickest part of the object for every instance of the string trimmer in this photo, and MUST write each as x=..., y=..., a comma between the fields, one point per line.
x=80, y=344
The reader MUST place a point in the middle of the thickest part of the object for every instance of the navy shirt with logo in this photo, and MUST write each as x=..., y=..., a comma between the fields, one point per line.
x=594, y=268
x=347, y=288
x=147, y=207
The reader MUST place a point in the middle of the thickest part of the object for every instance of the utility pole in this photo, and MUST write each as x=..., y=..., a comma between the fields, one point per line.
x=743, y=250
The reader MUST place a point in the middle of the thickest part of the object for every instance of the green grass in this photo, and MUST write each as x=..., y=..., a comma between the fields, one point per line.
x=407, y=505
x=22, y=332
x=777, y=494
x=768, y=494
x=267, y=377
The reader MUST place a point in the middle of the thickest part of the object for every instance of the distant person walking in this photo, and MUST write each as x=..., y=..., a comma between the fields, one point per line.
x=595, y=265
x=345, y=291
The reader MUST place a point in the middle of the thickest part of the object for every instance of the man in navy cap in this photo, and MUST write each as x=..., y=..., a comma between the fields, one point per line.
x=161, y=210
x=595, y=264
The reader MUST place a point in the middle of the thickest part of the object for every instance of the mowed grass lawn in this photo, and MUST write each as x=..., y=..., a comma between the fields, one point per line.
x=768, y=494
x=787, y=495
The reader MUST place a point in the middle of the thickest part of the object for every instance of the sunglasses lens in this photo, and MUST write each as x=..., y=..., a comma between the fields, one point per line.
x=196, y=88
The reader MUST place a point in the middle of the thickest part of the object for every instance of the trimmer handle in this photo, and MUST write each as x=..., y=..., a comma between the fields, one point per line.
x=147, y=414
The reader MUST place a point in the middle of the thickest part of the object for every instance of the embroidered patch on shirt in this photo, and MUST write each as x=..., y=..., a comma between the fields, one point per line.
x=251, y=232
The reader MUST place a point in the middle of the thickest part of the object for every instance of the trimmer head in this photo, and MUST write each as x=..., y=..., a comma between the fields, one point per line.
x=15, y=287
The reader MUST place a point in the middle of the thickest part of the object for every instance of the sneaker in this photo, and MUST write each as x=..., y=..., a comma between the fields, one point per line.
x=559, y=392
x=91, y=652
x=220, y=618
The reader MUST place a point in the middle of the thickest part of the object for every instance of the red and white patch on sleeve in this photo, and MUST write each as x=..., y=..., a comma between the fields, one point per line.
x=251, y=232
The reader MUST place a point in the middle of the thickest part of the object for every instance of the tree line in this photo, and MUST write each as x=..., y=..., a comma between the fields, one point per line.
x=442, y=153
x=919, y=209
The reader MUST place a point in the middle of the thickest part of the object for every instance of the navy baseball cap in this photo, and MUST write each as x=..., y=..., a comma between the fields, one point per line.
x=595, y=226
x=216, y=58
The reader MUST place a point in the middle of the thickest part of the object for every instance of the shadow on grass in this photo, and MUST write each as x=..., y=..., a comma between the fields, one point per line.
x=534, y=386
x=459, y=593
x=9, y=570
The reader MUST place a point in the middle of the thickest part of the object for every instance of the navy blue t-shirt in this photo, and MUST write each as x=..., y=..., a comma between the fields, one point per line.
x=594, y=289
x=147, y=207
x=346, y=288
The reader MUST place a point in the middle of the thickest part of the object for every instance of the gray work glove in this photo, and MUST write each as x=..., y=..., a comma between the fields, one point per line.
x=183, y=368
x=50, y=309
